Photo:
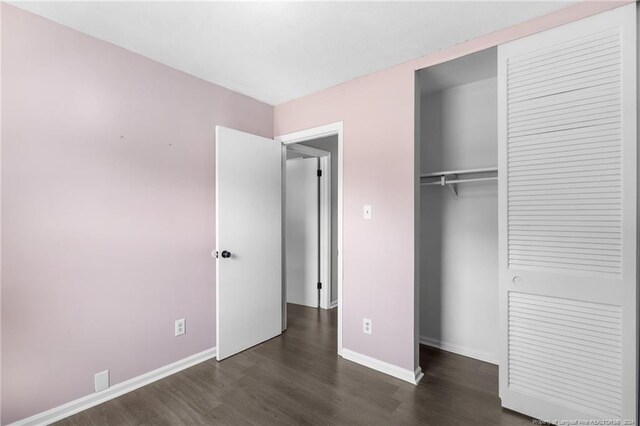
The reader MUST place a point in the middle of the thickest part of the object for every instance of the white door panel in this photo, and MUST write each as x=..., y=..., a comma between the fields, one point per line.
x=568, y=258
x=302, y=236
x=249, y=226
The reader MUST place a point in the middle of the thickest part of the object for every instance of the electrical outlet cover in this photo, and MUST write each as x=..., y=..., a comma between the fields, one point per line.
x=101, y=380
x=180, y=327
x=366, y=326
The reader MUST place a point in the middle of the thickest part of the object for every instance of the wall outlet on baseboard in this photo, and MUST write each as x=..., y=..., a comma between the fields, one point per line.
x=366, y=326
x=101, y=380
x=181, y=327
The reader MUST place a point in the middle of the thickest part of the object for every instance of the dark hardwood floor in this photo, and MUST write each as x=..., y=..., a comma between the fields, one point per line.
x=297, y=379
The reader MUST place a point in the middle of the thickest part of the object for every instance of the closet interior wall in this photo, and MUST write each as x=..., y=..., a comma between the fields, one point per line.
x=459, y=236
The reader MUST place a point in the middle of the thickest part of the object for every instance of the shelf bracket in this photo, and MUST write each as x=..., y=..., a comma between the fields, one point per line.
x=452, y=186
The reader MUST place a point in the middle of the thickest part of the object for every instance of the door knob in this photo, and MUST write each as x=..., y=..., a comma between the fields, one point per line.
x=517, y=280
x=226, y=254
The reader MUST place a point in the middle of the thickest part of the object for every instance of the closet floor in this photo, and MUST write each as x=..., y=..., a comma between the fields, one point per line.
x=297, y=378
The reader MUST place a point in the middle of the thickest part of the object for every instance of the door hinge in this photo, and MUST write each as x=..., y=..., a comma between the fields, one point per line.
x=217, y=254
x=319, y=286
x=319, y=173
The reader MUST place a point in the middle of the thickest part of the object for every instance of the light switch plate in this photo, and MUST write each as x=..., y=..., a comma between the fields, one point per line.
x=367, y=211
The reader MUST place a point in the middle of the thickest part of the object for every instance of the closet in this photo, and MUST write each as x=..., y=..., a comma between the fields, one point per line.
x=459, y=206
x=528, y=217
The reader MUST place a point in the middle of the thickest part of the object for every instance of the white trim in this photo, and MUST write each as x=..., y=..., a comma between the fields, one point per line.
x=312, y=133
x=460, y=350
x=317, y=133
x=333, y=304
x=307, y=150
x=91, y=400
x=418, y=375
x=325, y=230
x=410, y=376
x=283, y=225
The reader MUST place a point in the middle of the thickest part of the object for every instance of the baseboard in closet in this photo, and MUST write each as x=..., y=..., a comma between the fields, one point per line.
x=460, y=350
x=91, y=400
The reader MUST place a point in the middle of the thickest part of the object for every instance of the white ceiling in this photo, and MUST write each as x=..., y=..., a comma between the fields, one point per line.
x=277, y=51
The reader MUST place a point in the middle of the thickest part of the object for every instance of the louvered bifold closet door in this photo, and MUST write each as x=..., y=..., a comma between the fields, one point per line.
x=568, y=256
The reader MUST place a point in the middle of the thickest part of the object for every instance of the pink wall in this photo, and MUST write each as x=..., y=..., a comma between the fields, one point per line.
x=378, y=115
x=377, y=111
x=107, y=211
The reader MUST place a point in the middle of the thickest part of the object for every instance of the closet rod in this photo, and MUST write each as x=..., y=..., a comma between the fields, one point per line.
x=460, y=172
x=452, y=178
x=447, y=182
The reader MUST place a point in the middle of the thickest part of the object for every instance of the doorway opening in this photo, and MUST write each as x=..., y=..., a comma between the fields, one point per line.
x=309, y=236
x=312, y=223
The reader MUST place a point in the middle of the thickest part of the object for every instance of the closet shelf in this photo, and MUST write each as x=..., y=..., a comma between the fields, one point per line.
x=453, y=177
x=461, y=172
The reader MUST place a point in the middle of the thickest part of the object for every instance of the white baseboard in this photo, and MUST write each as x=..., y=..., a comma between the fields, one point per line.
x=460, y=350
x=322, y=305
x=91, y=400
x=410, y=376
x=418, y=375
x=313, y=305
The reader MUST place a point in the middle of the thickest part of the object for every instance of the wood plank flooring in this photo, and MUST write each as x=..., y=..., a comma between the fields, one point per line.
x=298, y=379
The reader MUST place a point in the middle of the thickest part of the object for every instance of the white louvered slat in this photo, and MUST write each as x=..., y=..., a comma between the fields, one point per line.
x=565, y=119
x=557, y=357
x=556, y=251
x=550, y=140
x=568, y=197
x=592, y=75
x=554, y=346
x=577, y=107
x=567, y=98
x=570, y=48
x=570, y=66
x=577, y=147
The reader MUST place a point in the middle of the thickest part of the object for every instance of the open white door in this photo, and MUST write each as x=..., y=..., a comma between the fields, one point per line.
x=568, y=215
x=248, y=240
x=303, y=232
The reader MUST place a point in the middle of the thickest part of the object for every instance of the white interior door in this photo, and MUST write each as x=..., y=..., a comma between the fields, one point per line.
x=302, y=236
x=248, y=240
x=568, y=257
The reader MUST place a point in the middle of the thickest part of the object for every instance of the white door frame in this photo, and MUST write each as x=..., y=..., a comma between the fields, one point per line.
x=317, y=133
x=325, y=207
